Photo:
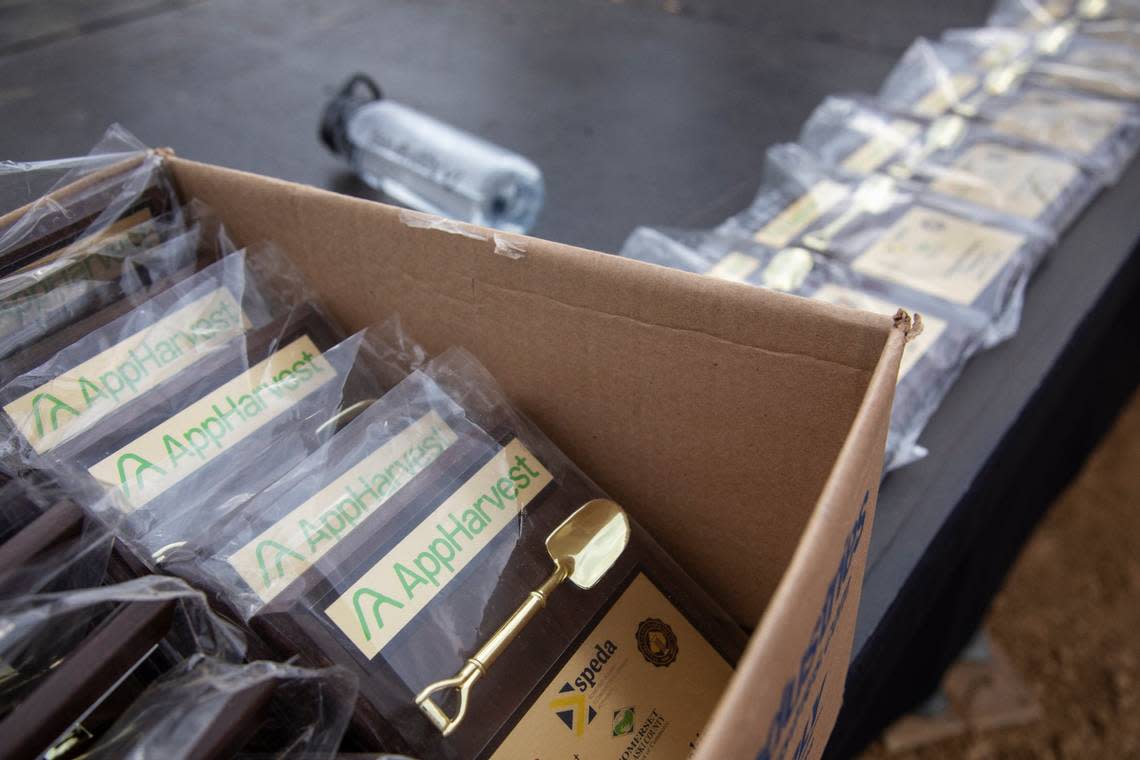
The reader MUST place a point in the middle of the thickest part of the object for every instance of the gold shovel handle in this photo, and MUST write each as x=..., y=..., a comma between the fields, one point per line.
x=821, y=239
x=479, y=662
x=461, y=683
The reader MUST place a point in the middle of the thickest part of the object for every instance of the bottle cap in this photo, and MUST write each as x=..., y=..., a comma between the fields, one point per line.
x=359, y=90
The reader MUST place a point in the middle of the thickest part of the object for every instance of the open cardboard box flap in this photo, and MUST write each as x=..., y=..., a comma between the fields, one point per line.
x=745, y=429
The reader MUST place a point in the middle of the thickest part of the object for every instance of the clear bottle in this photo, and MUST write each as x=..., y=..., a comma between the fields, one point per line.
x=428, y=165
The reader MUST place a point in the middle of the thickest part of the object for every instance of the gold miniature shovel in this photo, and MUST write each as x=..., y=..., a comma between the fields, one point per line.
x=944, y=132
x=874, y=195
x=998, y=81
x=584, y=547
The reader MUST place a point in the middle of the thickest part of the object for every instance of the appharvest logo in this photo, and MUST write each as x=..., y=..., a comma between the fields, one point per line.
x=284, y=551
x=214, y=424
x=408, y=577
x=572, y=709
x=75, y=400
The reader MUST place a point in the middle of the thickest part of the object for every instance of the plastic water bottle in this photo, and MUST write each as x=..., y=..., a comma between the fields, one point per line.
x=423, y=163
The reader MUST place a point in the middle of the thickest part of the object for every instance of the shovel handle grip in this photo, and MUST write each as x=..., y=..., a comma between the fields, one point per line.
x=462, y=684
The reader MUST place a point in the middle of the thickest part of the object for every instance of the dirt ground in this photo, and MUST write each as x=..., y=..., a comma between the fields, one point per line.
x=1069, y=619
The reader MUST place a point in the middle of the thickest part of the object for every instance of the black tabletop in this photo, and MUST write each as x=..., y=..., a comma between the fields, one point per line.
x=638, y=112
x=636, y=115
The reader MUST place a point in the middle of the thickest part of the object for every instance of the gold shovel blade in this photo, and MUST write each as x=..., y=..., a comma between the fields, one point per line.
x=590, y=541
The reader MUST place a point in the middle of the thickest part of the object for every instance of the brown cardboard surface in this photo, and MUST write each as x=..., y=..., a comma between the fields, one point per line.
x=743, y=428
x=788, y=687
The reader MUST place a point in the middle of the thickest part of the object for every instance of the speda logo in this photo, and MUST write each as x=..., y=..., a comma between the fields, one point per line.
x=571, y=705
x=572, y=709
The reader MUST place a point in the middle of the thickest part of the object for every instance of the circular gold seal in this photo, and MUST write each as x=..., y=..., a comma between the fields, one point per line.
x=656, y=642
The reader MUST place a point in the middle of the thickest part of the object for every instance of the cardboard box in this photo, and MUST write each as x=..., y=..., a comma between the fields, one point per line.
x=744, y=429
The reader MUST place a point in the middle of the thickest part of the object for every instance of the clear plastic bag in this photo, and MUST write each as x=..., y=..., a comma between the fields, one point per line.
x=56, y=330
x=206, y=707
x=40, y=300
x=930, y=364
x=936, y=257
x=190, y=451
x=1057, y=57
x=274, y=540
x=53, y=204
x=100, y=209
x=1124, y=30
x=443, y=449
x=1031, y=15
x=57, y=551
x=109, y=235
x=21, y=501
x=42, y=630
x=113, y=367
x=955, y=157
x=1108, y=20
x=185, y=464
x=933, y=78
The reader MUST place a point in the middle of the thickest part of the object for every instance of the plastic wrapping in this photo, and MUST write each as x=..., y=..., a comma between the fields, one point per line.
x=200, y=450
x=52, y=204
x=1108, y=20
x=931, y=363
x=115, y=366
x=21, y=501
x=1034, y=15
x=37, y=301
x=58, y=330
x=933, y=78
x=57, y=551
x=1031, y=15
x=183, y=455
x=50, y=543
x=1056, y=57
x=952, y=156
x=111, y=226
x=302, y=561
x=207, y=708
x=41, y=630
x=121, y=354
x=935, y=257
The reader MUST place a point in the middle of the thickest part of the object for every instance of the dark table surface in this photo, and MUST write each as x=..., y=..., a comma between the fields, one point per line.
x=638, y=112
